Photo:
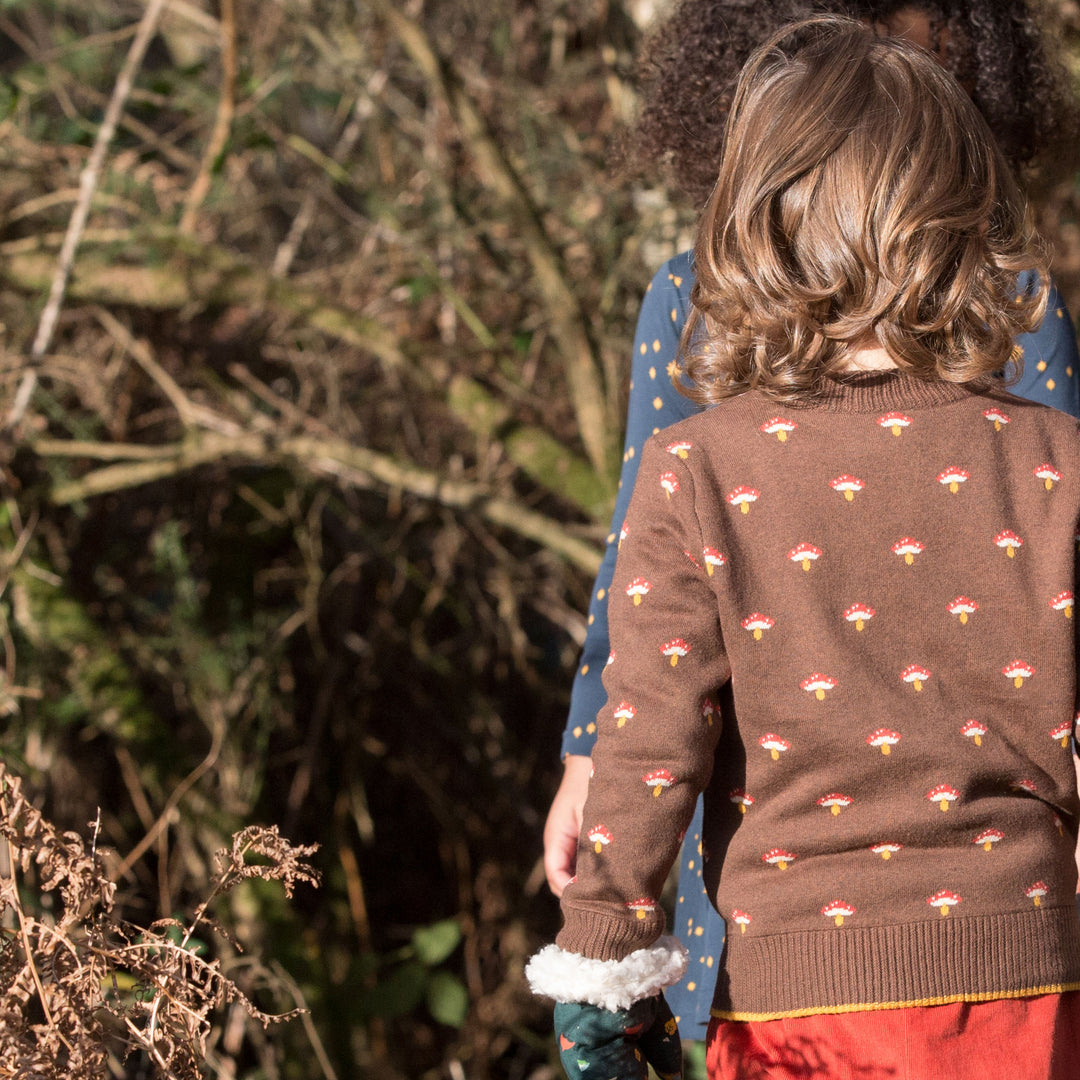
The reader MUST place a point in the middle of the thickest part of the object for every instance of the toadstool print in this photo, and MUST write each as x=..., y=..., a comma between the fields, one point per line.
x=742, y=497
x=996, y=417
x=953, y=478
x=778, y=857
x=1063, y=602
x=680, y=449
x=669, y=482
x=883, y=738
x=779, y=427
x=1036, y=892
x=804, y=553
x=674, y=649
x=838, y=911
x=962, y=606
x=1018, y=671
x=742, y=918
x=895, y=421
x=1047, y=474
x=709, y=711
x=944, y=900
x=1009, y=541
x=610, y=659
x=624, y=711
x=819, y=684
x=859, y=614
x=886, y=851
x=1063, y=733
x=915, y=675
x=848, y=486
x=774, y=744
x=1024, y=785
x=622, y=536
x=943, y=794
x=658, y=779
x=974, y=731
x=638, y=589
x=713, y=559
x=835, y=802
x=988, y=838
x=741, y=800
x=643, y=906
x=908, y=547
x=757, y=624
x=600, y=835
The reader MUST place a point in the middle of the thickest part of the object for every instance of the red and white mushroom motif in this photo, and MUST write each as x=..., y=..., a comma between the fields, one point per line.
x=778, y=857
x=658, y=779
x=674, y=648
x=944, y=900
x=1047, y=474
x=622, y=536
x=915, y=675
x=600, y=835
x=774, y=744
x=859, y=614
x=1009, y=541
x=669, y=482
x=742, y=918
x=835, y=802
x=943, y=794
x=610, y=659
x=779, y=427
x=996, y=417
x=713, y=559
x=742, y=497
x=1018, y=671
x=954, y=478
x=1024, y=785
x=974, y=731
x=741, y=800
x=680, y=449
x=757, y=624
x=1063, y=602
x=963, y=606
x=643, y=906
x=624, y=711
x=709, y=711
x=638, y=589
x=1063, y=732
x=883, y=738
x=838, y=911
x=819, y=684
x=804, y=553
x=897, y=421
x=988, y=838
x=1036, y=892
x=909, y=547
x=848, y=486
x=886, y=851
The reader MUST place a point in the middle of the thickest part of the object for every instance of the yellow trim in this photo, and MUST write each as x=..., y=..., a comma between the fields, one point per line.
x=989, y=995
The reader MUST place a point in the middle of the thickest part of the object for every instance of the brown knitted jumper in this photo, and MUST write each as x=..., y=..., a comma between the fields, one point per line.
x=850, y=622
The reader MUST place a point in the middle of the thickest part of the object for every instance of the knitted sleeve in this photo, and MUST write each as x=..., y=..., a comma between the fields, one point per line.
x=658, y=731
x=654, y=404
x=1051, y=372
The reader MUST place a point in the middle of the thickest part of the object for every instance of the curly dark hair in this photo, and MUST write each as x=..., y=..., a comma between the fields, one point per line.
x=692, y=59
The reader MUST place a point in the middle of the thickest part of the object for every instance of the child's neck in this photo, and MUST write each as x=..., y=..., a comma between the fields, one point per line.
x=868, y=358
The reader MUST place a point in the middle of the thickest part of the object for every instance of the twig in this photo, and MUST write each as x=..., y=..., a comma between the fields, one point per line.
x=219, y=135
x=87, y=184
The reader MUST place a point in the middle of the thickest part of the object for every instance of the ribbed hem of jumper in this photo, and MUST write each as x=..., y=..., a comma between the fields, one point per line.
x=930, y=962
x=603, y=936
x=871, y=391
x=611, y=984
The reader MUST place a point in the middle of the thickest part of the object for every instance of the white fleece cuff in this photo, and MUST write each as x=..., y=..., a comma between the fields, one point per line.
x=611, y=984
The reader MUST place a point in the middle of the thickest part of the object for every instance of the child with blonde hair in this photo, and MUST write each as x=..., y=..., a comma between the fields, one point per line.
x=842, y=610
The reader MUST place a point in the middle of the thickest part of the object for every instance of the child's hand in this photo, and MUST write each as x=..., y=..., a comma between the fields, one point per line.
x=594, y=1042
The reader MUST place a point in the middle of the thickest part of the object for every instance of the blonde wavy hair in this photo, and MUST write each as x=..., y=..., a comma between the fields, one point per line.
x=861, y=200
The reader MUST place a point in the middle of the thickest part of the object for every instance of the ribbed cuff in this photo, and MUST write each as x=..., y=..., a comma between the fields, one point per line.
x=611, y=984
x=603, y=935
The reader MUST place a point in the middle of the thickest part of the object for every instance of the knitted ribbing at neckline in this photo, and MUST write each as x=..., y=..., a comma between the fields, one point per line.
x=869, y=391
